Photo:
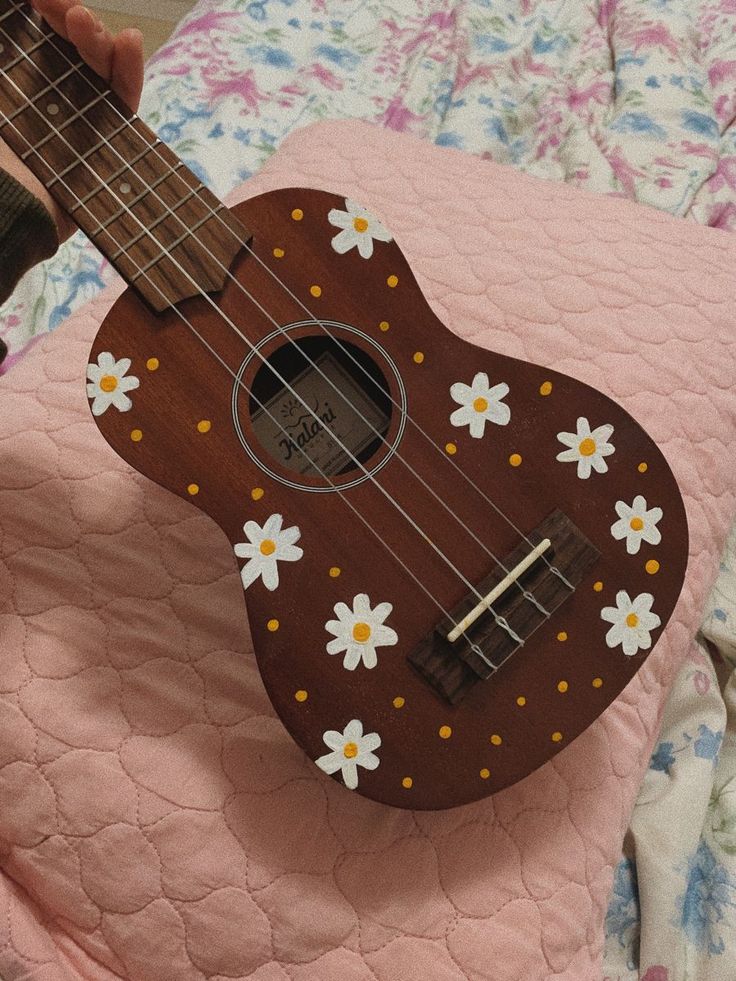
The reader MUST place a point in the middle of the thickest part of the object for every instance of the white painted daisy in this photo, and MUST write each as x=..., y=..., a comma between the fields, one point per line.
x=265, y=547
x=360, y=631
x=350, y=749
x=636, y=524
x=107, y=383
x=587, y=448
x=359, y=227
x=479, y=404
x=632, y=621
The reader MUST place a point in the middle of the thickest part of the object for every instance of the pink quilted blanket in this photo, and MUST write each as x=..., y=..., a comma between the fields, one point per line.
x=156, y=822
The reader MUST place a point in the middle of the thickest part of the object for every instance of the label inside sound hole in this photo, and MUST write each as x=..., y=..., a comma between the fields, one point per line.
x=303, y=425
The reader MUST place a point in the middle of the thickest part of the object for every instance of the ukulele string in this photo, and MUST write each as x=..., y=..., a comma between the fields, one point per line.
x=499, y=620
x=527, y=594
x=451, y=565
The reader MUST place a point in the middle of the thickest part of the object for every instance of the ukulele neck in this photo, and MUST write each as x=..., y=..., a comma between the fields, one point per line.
x=163, y=231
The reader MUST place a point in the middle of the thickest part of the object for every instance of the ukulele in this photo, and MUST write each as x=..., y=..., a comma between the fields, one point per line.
x=453, y=560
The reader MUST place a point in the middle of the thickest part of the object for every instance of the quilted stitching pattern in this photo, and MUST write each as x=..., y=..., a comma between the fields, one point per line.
x=156, y=822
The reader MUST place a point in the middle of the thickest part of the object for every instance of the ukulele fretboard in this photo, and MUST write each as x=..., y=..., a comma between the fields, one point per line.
x=163, y=230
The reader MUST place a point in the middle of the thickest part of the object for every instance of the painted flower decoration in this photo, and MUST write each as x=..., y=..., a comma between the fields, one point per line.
x=107, y=383
x=359, y=228
x=636, y=524
x=360, y=631
x=632, y=621
x=265, y=548
x=480, y=404
x=350, y=749
x=587, y=448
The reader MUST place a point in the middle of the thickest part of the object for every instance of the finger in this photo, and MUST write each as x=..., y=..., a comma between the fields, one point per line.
x=54, y=13
x=127, y=67
x=93, y=42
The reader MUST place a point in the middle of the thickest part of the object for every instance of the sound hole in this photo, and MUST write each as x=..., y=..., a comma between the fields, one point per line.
x=329, y=410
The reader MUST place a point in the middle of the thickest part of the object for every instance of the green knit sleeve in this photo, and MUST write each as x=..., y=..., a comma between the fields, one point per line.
x=27, y=233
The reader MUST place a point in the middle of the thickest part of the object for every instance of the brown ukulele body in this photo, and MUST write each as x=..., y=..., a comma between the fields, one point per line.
x=193, y=428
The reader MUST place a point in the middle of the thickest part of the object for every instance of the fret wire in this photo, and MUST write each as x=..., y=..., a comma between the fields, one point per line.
x=150, y=228
x=38, y=95
x=60, y=129
x=129, y=205
x=22, y=57
x=166, y=253
x=15, y=10
x=112, y=177
x=88, y=153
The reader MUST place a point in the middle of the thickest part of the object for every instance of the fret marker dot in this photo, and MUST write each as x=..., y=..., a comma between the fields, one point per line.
x=301, y=695
x=485, y=773
x=125, y=188
x=598, y=586
x=279, y=253
x=445, y=732
x=272, y=625
x=515, y=459
x=384, y=325
x=204, y=426
x=521, y=701
x=399, y=702
x=496, y=739
x=152, y=364
x=597, y=682
x=556, y=737
x=297, y=214
x=334, y=572
x=257, y=493
x=643, y=467
x=562, y=636
x=52, y=108
x=193, y=489
x=545, y=388
x=407, y=782
x=315, y=291
x=562, y=686
x=652, y=567
x=136, y=435
x=393, y=281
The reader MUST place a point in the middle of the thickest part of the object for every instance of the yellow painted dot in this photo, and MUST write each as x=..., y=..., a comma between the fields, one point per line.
x=407, y=782
x=334, y=572
x=361, y=632
x=350, y=751
x=445, y=732
x=587, y=446
x=496, y=739
x=598, y=586
x=562, y=636
x=521, y=701
x=636, y=524
x=360, y=224
x=485, y=773
x=545, y=388
x=652, y=567
x=515, y=459
x=562, y=686
x=393, y=281
x=315, y=290
x=399, y=702
x=384, y=325
x=556, y=737
x=597, y=682
x=480, y=404
x=204, y=426
x=108, y=383
x=152, y=364
x=450, y=448
x=301, y=695
x=297, y=214
x=632, y=620
x=643, y=467
x=273, y=626
x=267, y=546
x=136, y=435
x=279, y=253
x=193, y=489
x=418, y=357
x=257, y=493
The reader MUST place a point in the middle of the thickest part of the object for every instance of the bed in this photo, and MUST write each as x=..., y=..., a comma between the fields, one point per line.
x=627, y=99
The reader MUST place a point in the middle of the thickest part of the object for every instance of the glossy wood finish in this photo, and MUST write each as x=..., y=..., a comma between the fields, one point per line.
x=180, y=431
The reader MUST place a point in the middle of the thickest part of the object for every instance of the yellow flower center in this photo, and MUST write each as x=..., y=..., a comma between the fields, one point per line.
x=350, y=751
x=631, y=620
x=361, y=632
x=636, y=524
x=587, y=447
x=267, y=547
x=360, y=224
x=108, y=383
x=480, y=404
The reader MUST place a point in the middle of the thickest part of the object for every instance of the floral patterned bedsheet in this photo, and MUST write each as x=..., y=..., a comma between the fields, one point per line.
x=626, y=97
